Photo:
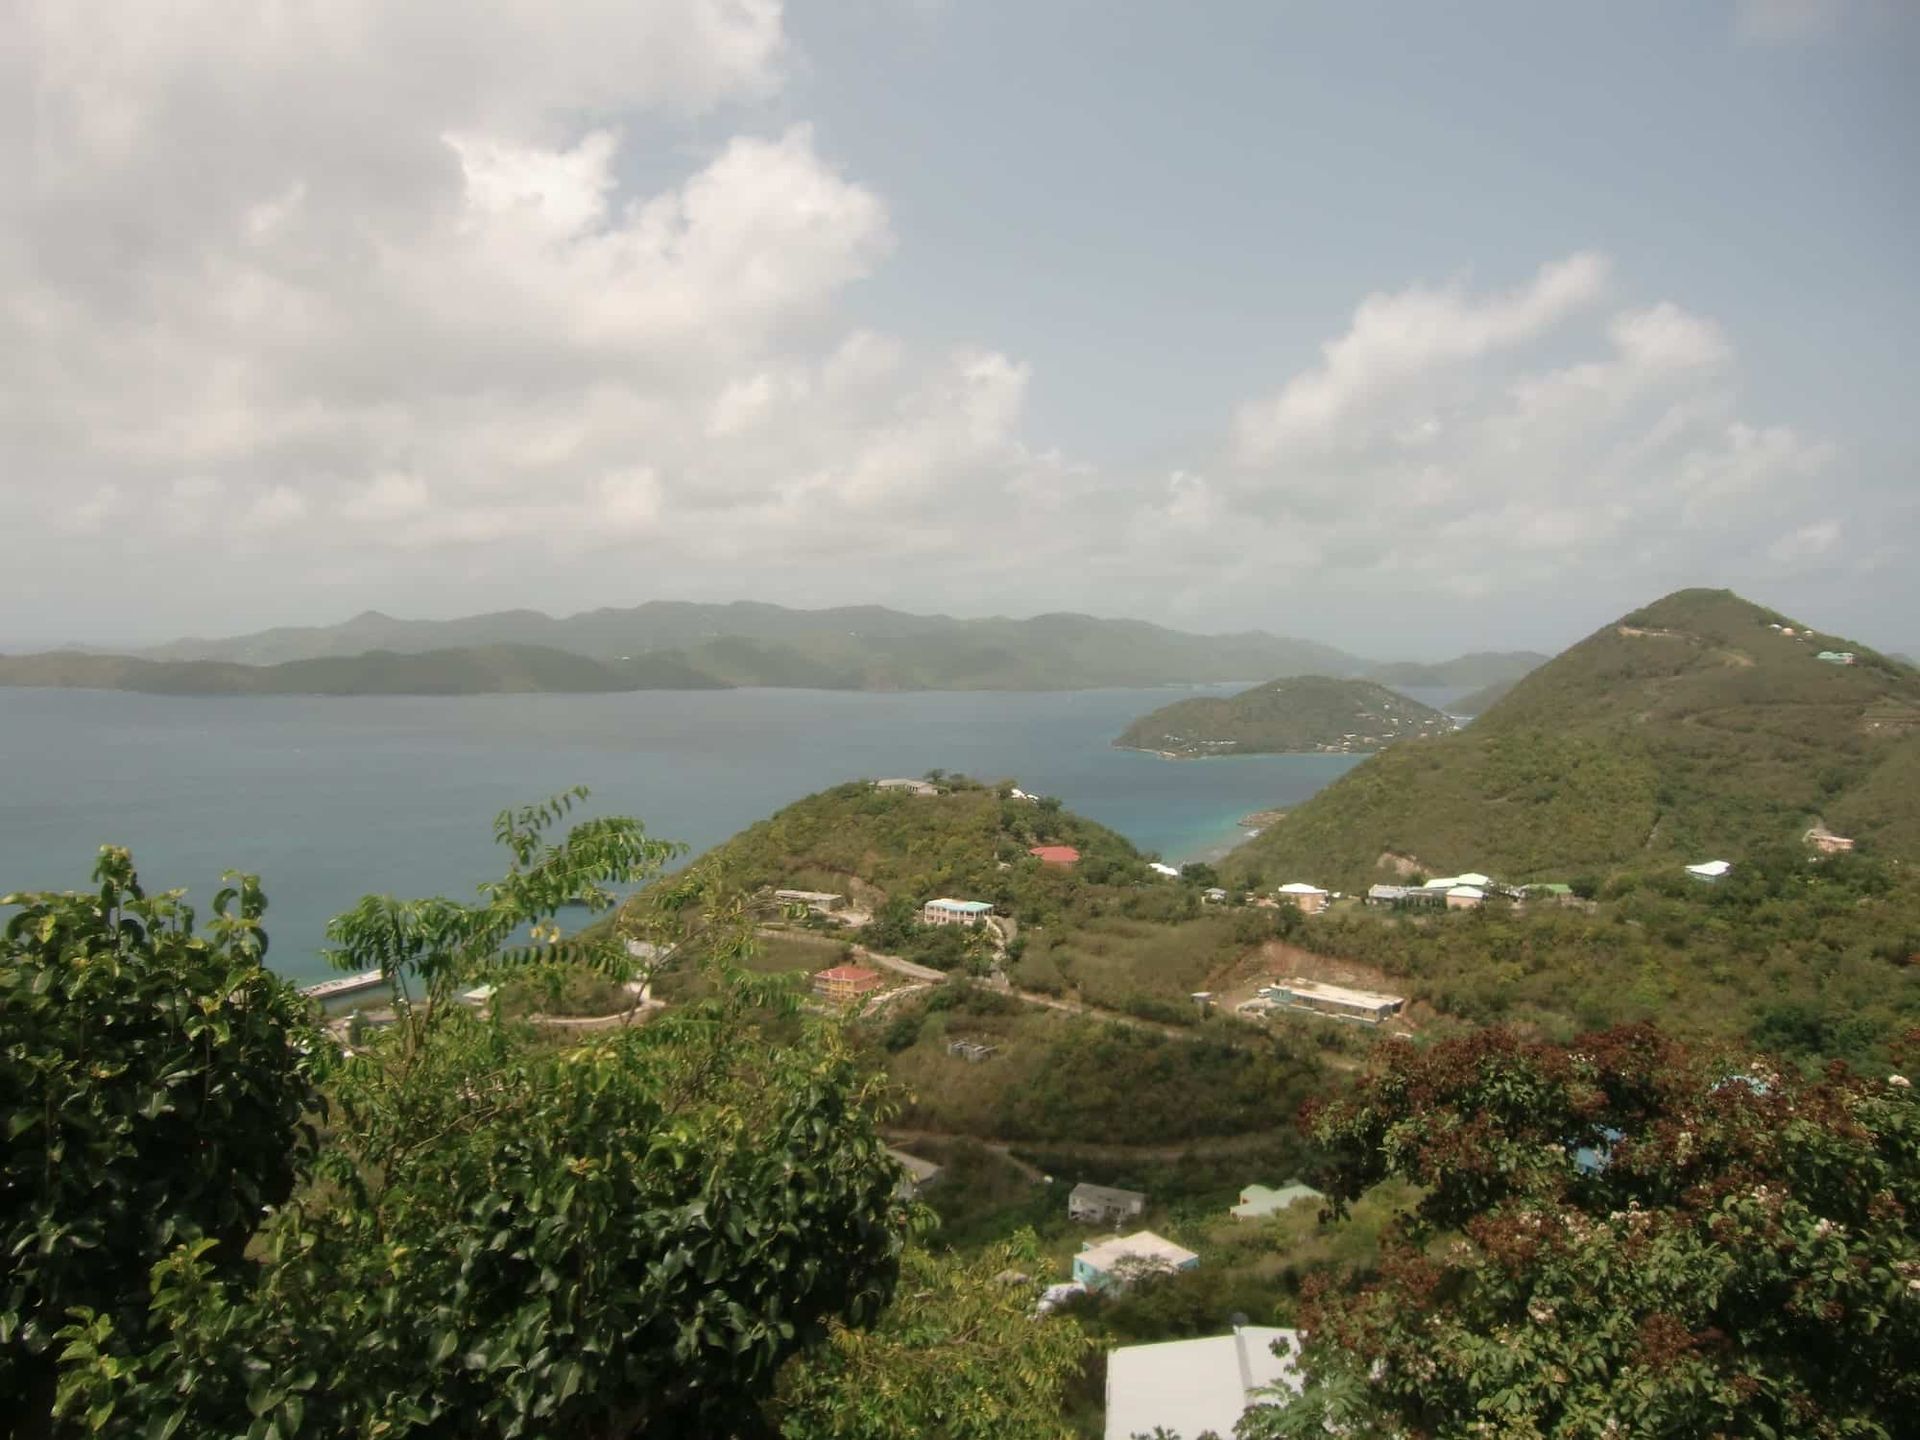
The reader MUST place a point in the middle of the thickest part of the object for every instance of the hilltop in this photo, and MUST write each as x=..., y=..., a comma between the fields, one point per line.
x=473, y=670
x=1700, y=726
x=1301, y=713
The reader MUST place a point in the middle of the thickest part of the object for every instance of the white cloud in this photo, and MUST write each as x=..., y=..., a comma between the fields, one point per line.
x=319, y=288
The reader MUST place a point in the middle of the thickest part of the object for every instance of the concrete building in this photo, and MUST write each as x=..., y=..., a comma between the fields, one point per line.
x=1063, y=857
x=954, y=912
x=1197, y=1387
x=1466, y=897
x=1337, y=1001
x=1826, y=842
x=971, y=1051
x=846, y=984
x=1399, y=895
x=1837, y=657
x=1712, y=871
x=1307, y=899
x=1117, y=1263
x=911, y=787
x=1104, y=1204
x=821, y=902
x=1257, y=1201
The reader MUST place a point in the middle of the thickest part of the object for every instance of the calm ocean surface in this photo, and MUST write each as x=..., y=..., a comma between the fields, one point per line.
x=328, y=799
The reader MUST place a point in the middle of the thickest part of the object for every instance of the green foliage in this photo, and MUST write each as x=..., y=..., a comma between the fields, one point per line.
x=1620, y=1239
x=958, y=1356
x=154, y=1089
x=1687, y=731
x=511, y=1238
x=1805, y=957
x=1302, y=713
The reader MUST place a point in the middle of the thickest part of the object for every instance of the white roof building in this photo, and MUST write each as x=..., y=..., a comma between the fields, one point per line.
x=1167, y=870
x=1466, y=892
x=1189, y=1387
x=1711, y=870
x=1299, y=887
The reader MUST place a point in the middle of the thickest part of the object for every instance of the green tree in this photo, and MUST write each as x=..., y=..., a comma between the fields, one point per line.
x=958, y=1356
x=518, y=1237
x=154, y=1090
x=1620, y=1239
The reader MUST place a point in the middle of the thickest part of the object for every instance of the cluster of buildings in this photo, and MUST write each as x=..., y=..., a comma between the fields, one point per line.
x=1831, y=657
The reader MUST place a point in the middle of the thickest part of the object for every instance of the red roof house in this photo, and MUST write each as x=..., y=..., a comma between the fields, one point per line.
x=1061, y=855
x=844, y=984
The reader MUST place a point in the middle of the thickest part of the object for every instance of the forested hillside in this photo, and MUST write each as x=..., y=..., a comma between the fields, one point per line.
x=1701, y=726
x=478, y=670
x=1303, y=713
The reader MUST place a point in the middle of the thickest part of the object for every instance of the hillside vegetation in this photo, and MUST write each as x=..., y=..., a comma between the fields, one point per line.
x=476, y=670
x=1691, y=729
x=1301, y=713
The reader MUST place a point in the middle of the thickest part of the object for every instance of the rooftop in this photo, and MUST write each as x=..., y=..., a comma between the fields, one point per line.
x=1109, y=1193
x=970, y=907
x=1300, y=887
x=1338, y=994
x=852, y=974
x=1142, y=1245
x=1055, y=854
x=1190, y=1387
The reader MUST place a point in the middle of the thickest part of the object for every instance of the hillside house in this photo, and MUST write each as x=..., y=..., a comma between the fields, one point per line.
x=821, y=902
x=845, y=984
x=946, y=911
x=1258, y=1201
x=1837, y=657
x=1367, y=1006
x=1118, y=1263
x=1104, y=1204
x=971, y=1051
x=1197, y=1387
x=1167, y=870
x=1307, y=899
x=910, y=787
x=1214, y=895
x=1390, y=896
x=1711, y=872
x=1826, y=842
x=1466, y=897
x=1062, y=857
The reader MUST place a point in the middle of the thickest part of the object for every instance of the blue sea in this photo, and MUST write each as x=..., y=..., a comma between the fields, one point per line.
x=328, y=799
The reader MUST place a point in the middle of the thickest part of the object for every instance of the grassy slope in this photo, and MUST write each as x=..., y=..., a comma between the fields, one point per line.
x=467, y=671
x=1705, y=734
x=1302, y=713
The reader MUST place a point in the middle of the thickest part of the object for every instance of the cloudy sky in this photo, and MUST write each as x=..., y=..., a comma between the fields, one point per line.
x=1405, y=327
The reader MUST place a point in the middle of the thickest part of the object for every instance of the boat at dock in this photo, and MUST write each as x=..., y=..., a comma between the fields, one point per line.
x=344, y=986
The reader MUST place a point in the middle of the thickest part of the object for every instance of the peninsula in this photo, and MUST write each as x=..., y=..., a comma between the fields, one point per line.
x=1300, y=714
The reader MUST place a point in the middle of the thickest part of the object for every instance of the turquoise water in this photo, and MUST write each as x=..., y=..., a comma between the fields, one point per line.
x=328, y=799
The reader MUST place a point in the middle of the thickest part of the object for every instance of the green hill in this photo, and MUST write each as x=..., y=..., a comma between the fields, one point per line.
x=1698, y=727
x=863, y=647
x=477, y=670
x=1303, y=713
x=1484, y=699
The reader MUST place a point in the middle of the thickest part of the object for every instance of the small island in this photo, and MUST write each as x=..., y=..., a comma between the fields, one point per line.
x=1305, y=714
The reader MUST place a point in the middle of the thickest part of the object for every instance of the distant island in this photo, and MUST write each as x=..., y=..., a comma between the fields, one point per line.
x=1298, y=714
x=680, y=645
x=471, y=670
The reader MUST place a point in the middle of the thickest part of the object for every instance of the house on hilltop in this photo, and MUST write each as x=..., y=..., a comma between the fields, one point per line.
x=1104, y=1204
x=1118, y=1263
x=910, y=787
x=1063, y=857
x=1307, y=899
x=948, y=911
x=845, y=984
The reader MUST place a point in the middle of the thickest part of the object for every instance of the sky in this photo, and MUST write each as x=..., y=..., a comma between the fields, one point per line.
x=1413, y=329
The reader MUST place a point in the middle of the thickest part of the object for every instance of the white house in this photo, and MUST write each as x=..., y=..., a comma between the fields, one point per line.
x=1308, y=899
x=1465, y=897
x=1711, y=871
x=1196, y=1387
x=1167, y=870
x=1115, y=1264
x=946, y=911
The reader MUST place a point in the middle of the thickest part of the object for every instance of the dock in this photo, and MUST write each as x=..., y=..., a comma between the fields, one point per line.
x=343, y=986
